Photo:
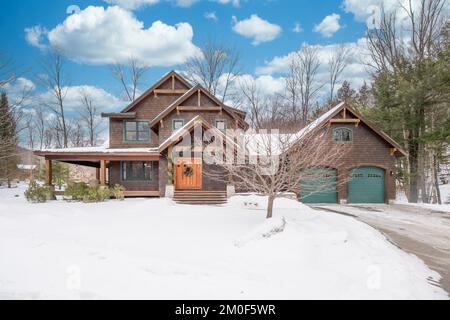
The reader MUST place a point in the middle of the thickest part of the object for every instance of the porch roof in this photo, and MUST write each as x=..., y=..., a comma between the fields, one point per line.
x=99, y=153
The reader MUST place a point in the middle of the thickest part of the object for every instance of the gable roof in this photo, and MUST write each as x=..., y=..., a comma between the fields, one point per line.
x=178, y=134
x=155, y=86
x=187, y=95
x=327, y=116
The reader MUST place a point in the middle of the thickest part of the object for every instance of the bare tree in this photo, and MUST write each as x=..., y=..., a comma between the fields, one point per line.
x=292, y=90
x=277, y=163
x=7, y=73
x=129, y=77
x=55, y=82
x=216, y=69
x=89, y=115
x=39, y=123
x=305, y=65
x=337, y=65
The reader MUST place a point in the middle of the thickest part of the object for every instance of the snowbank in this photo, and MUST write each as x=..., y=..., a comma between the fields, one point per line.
x=155, y=249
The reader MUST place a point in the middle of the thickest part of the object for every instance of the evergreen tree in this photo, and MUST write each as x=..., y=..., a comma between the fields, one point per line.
x=8, y=141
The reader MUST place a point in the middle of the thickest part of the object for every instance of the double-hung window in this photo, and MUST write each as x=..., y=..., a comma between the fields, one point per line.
x=136, y=131
x=136, y=171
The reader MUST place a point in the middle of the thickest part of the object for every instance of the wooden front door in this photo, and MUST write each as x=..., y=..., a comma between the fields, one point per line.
x=188, y=174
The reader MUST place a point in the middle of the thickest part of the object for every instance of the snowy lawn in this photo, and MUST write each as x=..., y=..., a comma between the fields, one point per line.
x=155, y=249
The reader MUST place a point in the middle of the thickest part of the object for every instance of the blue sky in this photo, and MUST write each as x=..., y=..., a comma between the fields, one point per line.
x=262, y=31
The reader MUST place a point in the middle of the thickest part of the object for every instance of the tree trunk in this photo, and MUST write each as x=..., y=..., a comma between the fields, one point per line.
x=435, y=168
x=270, y=207
x=413, y=171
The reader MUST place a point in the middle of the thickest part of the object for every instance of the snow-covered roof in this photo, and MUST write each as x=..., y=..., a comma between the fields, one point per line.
x=275, y=144
x=101, y=149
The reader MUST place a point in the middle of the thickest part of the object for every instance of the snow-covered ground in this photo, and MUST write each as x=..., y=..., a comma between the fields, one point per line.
x=445, y=195
x=155, y=249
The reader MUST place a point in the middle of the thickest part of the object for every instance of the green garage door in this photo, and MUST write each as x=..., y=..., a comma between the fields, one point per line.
x=320, y=187
x=366, y=185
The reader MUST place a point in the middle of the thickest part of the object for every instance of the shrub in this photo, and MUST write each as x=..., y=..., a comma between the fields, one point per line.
x=77, y=191
x=118, y=192
x=97, y=194
x=38, y=194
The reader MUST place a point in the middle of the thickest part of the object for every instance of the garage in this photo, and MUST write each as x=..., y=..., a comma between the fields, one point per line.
x=320, y=187
x=366, y=185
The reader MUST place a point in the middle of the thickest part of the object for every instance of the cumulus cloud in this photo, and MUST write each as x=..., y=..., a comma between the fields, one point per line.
x=104, y=100
x=97, y=35
x=356, y=72
x=329, y=25
x=35, y=36
x=257, y=29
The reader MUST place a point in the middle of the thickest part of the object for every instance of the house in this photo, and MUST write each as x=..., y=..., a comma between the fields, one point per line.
x=145, y=135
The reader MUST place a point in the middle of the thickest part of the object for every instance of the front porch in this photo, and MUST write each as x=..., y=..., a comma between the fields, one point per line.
x=107, y=165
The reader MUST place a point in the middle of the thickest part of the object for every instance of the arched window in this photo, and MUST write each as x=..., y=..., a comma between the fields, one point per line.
x=342, y=135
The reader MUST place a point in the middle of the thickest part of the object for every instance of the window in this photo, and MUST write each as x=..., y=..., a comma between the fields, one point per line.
x=136, y=131
x=342, y=135
x=221, y=125
x=137, y=171
x=177, y=124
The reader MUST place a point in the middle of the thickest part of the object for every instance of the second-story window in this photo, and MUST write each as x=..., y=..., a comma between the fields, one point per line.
x=137, y=131
x=221, y=125
x=342, y=135
x=177, y=124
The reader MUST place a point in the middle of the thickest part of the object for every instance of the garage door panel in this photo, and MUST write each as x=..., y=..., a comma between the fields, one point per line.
x=319, y=187
x=366, y=185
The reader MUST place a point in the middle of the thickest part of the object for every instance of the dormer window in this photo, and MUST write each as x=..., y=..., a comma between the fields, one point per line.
x=136, y=131
x=342, y=135
x=221, y=125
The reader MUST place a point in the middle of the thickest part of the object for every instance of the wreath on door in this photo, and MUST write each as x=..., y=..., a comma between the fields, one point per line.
x=188, y=171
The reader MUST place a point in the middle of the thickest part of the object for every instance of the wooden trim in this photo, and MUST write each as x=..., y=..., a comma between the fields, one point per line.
x=141, y=193
x=156, y=85
x=129, y=115
x=199, y=108
x=169, y=91
x=345, y=121
x=48, y=172
x=392, y=151
x=199, y=98
x=97, y=174
x=103, y=172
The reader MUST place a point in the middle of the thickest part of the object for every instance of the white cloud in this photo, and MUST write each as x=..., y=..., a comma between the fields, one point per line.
x=235, y=3
x=138, y=4
x=35, y=36
x=104, y=100
x=297, y=28
x=185, y=3
x=356, y=71
x=103, y=36
x=132, y=4
x=211, y=16
x=257, y=29
x=329, y=25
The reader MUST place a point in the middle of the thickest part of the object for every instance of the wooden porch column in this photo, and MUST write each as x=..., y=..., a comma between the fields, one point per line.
x=97, y=174
x=103, y=172
x=48, y=172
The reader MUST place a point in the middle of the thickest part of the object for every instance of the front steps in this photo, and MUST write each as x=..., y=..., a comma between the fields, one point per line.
x=196, y=197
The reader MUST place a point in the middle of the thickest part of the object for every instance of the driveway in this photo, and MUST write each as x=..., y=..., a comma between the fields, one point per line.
x=421, y=231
